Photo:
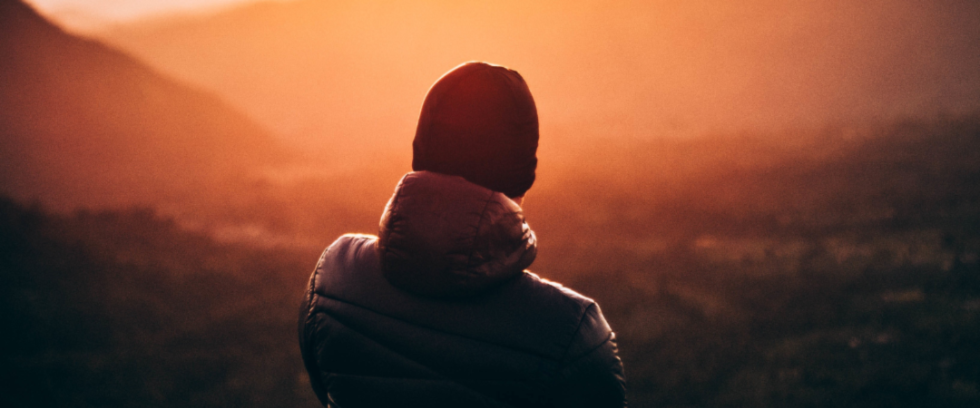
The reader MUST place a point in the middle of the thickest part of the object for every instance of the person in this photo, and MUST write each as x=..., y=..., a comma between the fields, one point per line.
x=438, y=309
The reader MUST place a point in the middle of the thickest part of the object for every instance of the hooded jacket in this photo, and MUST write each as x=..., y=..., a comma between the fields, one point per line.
x=438, y=311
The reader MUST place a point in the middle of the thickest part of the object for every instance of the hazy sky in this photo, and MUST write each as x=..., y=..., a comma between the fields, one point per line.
x=89, y=14
x=309, y=69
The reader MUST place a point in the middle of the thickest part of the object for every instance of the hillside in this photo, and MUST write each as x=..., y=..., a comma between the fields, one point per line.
x=123, y=309
x=345, y=77
x=807, y=266
x=85, y=125
x=827, y=276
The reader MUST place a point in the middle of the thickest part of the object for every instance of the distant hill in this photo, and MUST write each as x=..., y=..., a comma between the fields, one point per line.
x=351, y=75
x=82, y=124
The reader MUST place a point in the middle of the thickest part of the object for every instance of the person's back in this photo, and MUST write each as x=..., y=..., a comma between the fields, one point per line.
x=437, y=311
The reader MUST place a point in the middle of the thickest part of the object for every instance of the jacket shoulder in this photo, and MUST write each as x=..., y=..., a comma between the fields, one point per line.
x=591, y=372
x=346, y=253
x=592, y=329
x=555, y=289
x=343, y=247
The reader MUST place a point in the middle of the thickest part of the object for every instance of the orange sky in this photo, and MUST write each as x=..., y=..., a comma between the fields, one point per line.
x=627, y=67
x=345, y=78
x=331, y=73
x=87, y=15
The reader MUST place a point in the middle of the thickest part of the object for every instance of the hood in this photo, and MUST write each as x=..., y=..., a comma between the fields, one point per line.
x=444, y=236
x=479, y=121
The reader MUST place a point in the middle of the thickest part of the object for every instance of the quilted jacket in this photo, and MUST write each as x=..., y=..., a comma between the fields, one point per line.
x=438, y=311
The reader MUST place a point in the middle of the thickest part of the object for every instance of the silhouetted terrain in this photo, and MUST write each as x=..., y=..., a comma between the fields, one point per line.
x=83, y=124
x=349, y=75
x=833, y=266
x=847, y=279
x=123, y=309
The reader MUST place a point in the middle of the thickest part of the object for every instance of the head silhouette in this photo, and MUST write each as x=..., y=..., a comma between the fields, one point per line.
x=479, y=122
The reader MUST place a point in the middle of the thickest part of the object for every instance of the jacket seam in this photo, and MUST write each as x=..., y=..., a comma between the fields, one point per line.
x=602, y=343
x=309, y=356
x=578, y=327
x=391, y=213
x=439, y=376
x=479, y=224
x=522, y=350
x=312, y=290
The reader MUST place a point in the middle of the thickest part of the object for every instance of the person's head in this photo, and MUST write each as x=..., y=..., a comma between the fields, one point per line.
x=479, y=122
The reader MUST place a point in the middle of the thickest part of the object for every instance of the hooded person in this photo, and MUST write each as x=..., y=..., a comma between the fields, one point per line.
x=438, y=309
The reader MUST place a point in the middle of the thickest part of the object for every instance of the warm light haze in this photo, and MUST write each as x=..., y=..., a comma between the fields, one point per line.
x=329, y=74
x=775, y=202
x=88, y=15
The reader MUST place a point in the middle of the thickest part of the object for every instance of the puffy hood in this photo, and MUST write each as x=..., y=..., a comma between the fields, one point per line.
x=444, y=236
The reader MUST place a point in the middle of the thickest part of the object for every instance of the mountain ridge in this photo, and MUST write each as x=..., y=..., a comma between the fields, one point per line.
x=351, y=75
x=87, y=125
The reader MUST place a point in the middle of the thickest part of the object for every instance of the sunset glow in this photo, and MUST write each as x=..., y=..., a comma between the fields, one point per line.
x=776, y=203
x=336, y=73
x=88, y=15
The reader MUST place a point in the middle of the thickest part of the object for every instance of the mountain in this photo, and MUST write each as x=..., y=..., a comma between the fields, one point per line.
x=83, y=124
x=351, y=74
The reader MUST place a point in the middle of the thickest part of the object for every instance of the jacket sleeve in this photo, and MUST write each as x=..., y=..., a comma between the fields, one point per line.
x=307, y=339
x=592, y=373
